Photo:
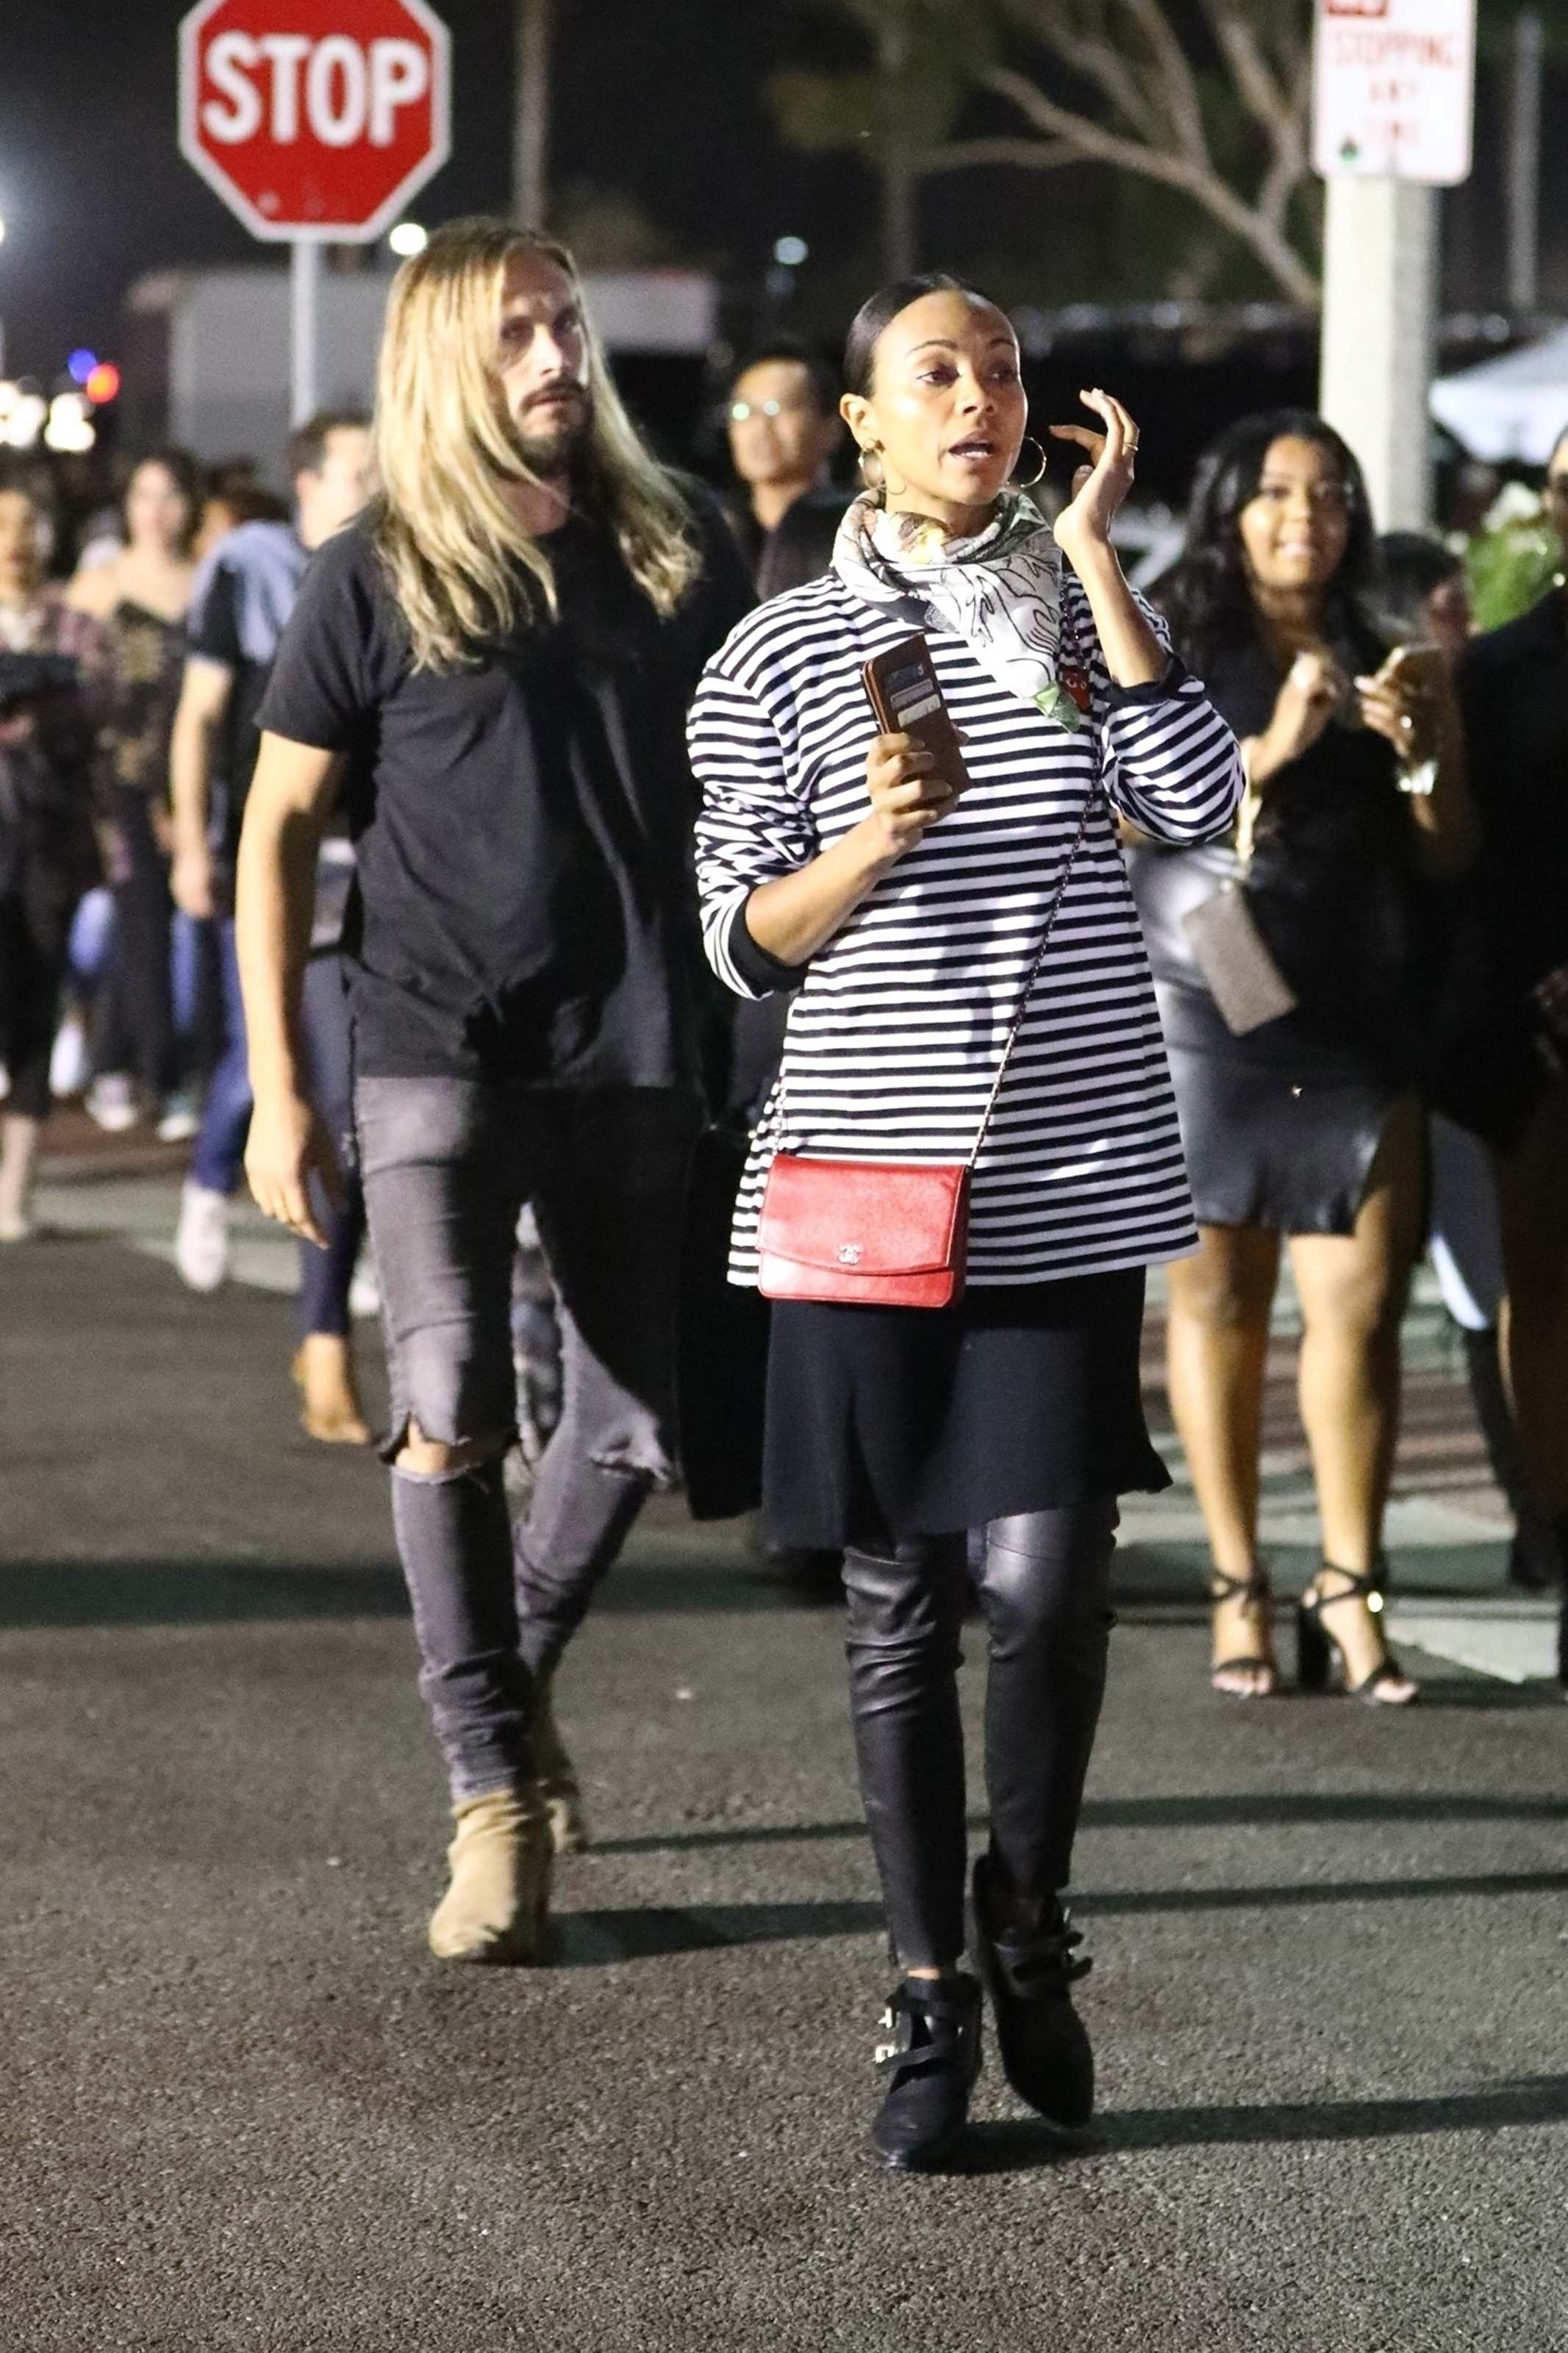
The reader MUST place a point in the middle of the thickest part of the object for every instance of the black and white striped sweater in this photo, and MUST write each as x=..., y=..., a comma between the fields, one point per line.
x=895, y=1035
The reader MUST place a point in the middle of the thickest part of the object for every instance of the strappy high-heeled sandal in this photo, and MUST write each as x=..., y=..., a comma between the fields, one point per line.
x=1255, y=1593
x=1317, y=1651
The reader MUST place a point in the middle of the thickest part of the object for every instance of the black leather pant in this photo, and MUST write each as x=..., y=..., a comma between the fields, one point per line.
x=1045, y=1591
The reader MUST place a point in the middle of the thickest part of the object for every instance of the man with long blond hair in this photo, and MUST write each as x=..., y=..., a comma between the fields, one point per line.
x=494, y=664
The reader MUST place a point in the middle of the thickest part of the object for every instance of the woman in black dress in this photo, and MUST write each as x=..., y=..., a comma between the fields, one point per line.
x=909, y=915
x=141, y=596
x=1308, y=1126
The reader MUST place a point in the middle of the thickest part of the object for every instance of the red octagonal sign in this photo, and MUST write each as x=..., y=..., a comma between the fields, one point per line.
x=315, y=117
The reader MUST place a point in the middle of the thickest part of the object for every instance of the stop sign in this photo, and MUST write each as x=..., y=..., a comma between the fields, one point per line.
x=314, y=118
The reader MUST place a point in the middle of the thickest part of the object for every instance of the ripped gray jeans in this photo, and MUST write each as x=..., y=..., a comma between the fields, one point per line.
x=447, y=1164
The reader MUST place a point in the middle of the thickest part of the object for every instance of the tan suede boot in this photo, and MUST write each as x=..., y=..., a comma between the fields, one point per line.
x=558, y=1783
x=497, y=1907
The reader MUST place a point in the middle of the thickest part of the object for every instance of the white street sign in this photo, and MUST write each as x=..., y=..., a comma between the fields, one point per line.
x=1392, y=90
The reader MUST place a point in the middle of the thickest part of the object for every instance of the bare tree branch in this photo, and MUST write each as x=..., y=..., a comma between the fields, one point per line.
x=1101, y=62
x=1255, y=80
x=1137, y=104
x=1178, y=85
x=1061, y=124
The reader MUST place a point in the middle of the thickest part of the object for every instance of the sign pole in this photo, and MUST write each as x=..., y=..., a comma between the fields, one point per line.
x=313, y=119
x=1393, y=102
x=304, y=287
x=1380, y=288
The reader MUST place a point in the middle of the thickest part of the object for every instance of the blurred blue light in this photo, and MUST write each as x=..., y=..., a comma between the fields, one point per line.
x=81, y=365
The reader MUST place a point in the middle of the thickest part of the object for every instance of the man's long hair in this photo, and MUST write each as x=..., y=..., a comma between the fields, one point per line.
x=463, y=569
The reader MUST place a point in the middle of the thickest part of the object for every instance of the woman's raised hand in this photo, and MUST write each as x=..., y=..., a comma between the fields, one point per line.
x=1314, y=689
x=907, y=796
x=1404, y=702
x=1099, y=487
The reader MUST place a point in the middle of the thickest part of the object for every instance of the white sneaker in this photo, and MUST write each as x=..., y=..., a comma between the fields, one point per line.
x=178, y=1121
x=67, y=1058
x=364, y=1290
x=201, y=1240
x=112, y=1102
x=19, y=1228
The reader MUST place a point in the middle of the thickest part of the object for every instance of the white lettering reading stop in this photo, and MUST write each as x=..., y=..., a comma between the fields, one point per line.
x=351, y=90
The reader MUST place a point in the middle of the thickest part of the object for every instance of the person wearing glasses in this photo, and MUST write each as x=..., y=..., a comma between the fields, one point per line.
x=1314, y=927
x=783, y=422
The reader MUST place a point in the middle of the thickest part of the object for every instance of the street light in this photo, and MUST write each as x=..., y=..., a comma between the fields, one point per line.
x=779, y=277
x=407, y=238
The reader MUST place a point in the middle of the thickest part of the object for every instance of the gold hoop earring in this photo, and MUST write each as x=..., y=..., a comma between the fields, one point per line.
x=877, y=484
x=1029, y=481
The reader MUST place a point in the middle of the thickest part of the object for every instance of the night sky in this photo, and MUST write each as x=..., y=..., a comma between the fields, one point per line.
x=660, y=100
x=659, y=103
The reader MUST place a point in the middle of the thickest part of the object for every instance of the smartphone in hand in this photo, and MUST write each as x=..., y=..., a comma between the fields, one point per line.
x=902, y=689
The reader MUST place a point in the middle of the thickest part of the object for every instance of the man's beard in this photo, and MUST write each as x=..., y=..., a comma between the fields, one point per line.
x=550, y=449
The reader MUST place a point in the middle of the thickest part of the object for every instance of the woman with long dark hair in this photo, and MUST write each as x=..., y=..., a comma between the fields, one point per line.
x=910, y=910
x=142, y=594
x=1288, y=962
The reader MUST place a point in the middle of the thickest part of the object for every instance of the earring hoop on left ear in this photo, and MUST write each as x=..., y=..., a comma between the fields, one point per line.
x=1029, y=481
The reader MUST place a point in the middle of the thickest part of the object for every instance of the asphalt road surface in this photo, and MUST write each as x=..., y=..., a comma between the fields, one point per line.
x=243, y=2108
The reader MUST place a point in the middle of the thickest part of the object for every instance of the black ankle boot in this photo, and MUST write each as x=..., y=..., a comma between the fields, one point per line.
x=932, y=2057
x=1044, y=2046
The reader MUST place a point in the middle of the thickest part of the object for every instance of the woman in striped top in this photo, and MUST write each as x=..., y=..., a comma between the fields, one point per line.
x=834, y=862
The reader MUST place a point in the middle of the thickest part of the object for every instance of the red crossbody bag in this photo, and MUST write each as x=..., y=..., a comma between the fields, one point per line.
x=881, y=1233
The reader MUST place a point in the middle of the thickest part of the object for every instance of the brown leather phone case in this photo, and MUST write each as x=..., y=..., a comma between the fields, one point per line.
x=902, y=689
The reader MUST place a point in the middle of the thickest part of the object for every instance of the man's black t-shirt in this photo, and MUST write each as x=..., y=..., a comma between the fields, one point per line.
x=524, y=905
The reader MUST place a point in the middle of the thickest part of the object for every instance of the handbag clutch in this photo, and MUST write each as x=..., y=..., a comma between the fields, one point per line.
x=882, y=1233
x=871, y=1232
x=1230, y=951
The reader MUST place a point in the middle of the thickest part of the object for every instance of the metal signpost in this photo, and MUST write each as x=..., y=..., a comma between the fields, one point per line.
x=315, y=120
x=1393, y=106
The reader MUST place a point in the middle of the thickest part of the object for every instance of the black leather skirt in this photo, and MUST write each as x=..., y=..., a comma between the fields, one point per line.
x=1283, y=1135
x=1281, y=1126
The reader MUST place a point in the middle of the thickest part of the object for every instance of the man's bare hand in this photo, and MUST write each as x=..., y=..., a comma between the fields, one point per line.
x=288, y=1145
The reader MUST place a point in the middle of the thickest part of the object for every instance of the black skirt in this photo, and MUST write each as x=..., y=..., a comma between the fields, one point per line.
x=1264, y=1148
x=909, y=1421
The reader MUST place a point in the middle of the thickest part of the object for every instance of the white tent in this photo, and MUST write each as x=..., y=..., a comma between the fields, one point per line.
x=1515, y=407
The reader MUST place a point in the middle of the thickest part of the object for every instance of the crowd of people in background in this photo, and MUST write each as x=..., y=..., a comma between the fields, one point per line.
x=1311, y=994
x=1414, y=1100
x=118, y=983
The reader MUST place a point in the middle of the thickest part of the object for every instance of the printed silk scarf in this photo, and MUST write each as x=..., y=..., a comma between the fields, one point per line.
x=1000, y=591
